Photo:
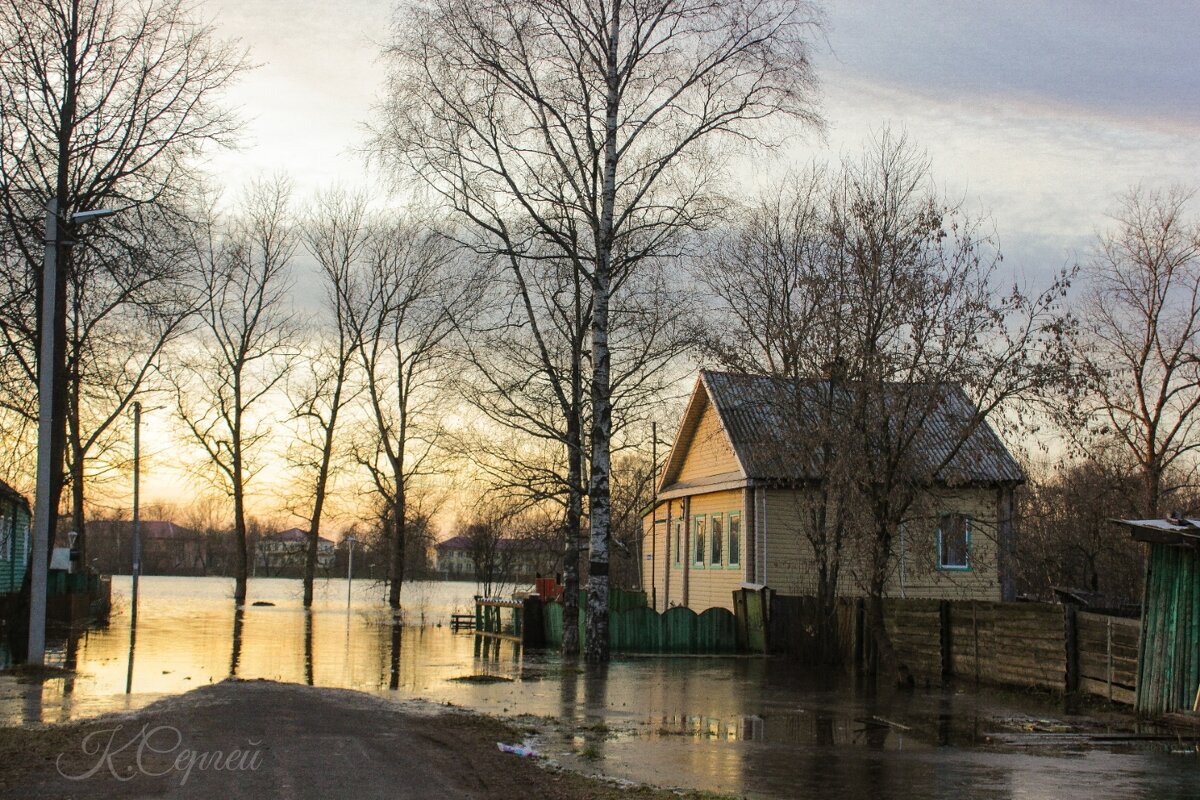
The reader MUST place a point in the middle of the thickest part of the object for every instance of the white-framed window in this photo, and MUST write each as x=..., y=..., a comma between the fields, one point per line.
x=733, y=552
x=954, y=542
x=679, y=542
x=699, y=529
x=716, y=539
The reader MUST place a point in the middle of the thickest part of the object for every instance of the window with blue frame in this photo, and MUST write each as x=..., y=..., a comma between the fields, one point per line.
x=954, y=542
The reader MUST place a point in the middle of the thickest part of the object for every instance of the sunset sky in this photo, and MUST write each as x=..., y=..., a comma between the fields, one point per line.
x=1034, y=113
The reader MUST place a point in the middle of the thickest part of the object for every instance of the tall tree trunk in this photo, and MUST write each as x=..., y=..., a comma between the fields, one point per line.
x=396, y=567
x=314, y=526
x=572, y=526
x=240, y=561
x=76, y=470
x=883, y=654
x=1153, y=488
x=240, y=565
x=599, y=509
x=310, y=558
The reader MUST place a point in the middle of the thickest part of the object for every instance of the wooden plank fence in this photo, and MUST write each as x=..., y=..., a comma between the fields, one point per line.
x=1108, y=656
x=639, y=629
x=1033, y=645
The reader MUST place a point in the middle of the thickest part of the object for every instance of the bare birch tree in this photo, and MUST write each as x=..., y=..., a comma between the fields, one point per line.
x=244, y=348
x=101, y=104
x=1139, y=343
x=526, y=373
x=588, y=133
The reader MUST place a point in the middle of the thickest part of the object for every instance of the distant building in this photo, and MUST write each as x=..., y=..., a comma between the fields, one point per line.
x=167, y=548
x=517, y=559
x=285, y=552
x=14, y=539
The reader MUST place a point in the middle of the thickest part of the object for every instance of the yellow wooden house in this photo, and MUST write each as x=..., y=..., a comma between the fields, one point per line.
x=733, y=500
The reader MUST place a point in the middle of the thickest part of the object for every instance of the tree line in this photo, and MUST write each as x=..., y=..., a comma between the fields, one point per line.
x=575, y=251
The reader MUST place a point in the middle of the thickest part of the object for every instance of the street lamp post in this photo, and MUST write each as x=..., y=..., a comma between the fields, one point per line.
x=137, y=534
x=43, y=514
x=350, y=540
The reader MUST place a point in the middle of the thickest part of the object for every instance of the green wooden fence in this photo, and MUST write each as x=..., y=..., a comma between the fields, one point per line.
x=635, y=628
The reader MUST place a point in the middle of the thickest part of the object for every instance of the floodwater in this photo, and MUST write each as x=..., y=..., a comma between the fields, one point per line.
x=747, y=726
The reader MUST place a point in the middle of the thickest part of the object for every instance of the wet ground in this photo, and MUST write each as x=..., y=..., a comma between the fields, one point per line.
x=755, y=726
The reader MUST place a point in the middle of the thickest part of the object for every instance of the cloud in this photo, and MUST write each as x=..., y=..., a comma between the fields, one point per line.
x=1123, y=59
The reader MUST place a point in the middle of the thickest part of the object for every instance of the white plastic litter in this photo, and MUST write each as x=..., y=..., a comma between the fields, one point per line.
x=516, y=749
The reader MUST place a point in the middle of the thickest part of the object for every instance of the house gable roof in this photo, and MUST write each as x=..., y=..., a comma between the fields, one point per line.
x=698, y=405
x=757, y=411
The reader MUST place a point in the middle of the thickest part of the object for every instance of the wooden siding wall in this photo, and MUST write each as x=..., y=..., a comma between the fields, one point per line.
x=709, y=452
x=792, y=563
x=713, y=586
x=12, y=569
x=1169, y=650
x=708, y=586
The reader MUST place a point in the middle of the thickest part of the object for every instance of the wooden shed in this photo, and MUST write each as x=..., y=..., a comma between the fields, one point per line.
x=14, y=539
x=1168, y=677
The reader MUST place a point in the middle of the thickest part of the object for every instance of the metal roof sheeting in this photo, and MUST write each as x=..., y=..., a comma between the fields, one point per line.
x=765, y=417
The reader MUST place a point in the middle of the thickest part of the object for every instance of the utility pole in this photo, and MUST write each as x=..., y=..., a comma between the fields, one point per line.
x=40, y=557
x=350, y=540
x=44, y=516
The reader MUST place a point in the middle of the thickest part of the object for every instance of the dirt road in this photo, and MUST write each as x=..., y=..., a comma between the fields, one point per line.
x=258, y=739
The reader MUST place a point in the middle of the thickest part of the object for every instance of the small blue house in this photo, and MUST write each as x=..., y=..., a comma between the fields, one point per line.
x=14, y=539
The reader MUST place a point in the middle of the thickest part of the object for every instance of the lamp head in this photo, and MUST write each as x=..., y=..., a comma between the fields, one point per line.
x=84, y=217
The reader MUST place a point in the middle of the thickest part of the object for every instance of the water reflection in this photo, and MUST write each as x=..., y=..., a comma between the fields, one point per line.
x=235, y=650
x=733, y=725
x=308, y=647
x=397, y=638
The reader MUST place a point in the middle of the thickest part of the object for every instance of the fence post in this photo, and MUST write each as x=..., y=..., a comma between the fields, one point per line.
x=944, y=641
x=533, y=628
x=1072, y=635
x=1108, y=650
x=859, y=624
x=975, y=635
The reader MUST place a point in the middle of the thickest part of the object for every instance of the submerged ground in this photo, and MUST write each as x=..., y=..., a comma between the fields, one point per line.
x=739, y=726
